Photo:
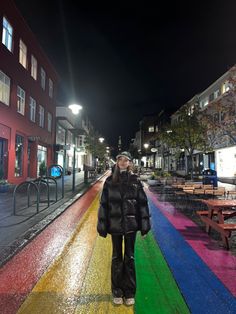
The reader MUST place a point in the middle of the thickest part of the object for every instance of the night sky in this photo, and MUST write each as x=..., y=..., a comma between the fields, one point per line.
x=121, y=61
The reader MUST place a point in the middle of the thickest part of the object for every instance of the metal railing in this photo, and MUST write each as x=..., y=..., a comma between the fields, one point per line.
x=29, y=184
x=37, y=186
x=40, y=181
x=55, y=182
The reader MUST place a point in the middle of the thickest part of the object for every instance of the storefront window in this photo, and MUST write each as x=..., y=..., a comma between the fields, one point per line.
x=19, y=148
x=41, y=156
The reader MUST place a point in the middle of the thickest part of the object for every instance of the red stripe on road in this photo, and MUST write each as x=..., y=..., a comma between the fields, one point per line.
x=21, y=273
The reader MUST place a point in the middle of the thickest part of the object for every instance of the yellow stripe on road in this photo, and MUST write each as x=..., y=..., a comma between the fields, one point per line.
x=59, y=288
x=96, y=292
x=79, y=280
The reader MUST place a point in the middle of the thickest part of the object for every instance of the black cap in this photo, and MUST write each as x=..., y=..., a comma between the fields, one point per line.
x=124, y=154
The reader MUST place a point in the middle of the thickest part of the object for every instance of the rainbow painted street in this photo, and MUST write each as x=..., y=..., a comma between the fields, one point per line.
x=66, y=268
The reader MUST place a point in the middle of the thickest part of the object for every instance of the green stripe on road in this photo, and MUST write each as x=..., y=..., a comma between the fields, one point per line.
x=157, y=291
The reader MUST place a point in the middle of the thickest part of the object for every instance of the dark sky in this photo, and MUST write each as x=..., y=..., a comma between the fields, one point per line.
x=121, y=61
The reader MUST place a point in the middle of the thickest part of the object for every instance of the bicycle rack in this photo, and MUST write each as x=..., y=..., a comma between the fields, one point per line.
x=39, y=181
x=55, y=181
x=59, y=173
x=46, y=181
x=28, y=183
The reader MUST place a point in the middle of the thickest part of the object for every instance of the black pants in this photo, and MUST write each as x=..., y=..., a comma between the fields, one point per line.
x=123, y=279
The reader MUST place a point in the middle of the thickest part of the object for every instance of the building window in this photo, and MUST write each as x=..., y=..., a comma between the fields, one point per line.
x=211, y=97
x=217, y=93
x=222, y=116
x=23, y=54
x=60, y=135
x=20, y=100
x=156, y=128
x=81, y=141
x=216, y=117
x=151, y=129
x=7, y=31
x=4, y=88
x=19, y=148
x=41, y=156
x=204, y=102
x=34, y=65
x=50, y=83
x=49, y=122
x=225, y=87
x=32, y=109
x=41, y=116
x=43, y=78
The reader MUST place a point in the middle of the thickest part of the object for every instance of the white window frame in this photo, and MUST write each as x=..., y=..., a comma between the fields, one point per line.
x=50, y=86
x=5, y=85
x=32, y=105
x=23, y=53
x=49, y=122
x=7, y=33
x=43, y=78
x=41, y=116
x=20, y=100
x=34, y=65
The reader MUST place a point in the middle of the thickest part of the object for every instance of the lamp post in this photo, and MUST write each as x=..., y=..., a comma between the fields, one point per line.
x=75, y=108
x=146, y=145
x=101, y=140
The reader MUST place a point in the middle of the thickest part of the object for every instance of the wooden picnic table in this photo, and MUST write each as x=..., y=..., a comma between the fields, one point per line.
x=219, y=211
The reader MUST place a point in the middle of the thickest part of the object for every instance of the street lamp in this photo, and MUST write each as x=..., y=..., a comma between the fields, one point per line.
x=75, y=108
x=101, y=139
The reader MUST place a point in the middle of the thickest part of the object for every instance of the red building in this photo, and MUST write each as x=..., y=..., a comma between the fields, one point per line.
x=27, y=99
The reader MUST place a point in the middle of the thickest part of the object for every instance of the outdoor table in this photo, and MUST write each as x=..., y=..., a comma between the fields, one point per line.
x=218, y=208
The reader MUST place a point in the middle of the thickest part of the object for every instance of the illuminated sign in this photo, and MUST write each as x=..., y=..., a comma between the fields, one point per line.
x=55, y=172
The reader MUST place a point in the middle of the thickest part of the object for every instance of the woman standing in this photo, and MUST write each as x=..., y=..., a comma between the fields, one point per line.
x=123, y=211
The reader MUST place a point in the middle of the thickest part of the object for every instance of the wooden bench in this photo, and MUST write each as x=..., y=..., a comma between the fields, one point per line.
x=219, y=211
x=228, y=227
x=231, y=193
x=226, y=213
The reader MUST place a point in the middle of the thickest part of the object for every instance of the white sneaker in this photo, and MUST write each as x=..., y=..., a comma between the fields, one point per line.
x=129, y=301
x=117, y=301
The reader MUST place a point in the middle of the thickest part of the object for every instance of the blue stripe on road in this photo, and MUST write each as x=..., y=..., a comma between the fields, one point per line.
x=202, y=290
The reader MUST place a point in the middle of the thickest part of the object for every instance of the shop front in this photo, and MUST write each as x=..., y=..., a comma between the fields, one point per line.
x=226, y=162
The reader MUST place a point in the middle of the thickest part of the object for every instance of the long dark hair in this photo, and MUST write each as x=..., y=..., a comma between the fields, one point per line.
x=116, y=173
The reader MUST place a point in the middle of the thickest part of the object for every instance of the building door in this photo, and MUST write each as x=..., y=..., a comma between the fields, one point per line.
x=3, y=158
x=29, y=159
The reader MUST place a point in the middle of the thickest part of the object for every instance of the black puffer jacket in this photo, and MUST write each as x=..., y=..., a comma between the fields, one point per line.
x=123, y=207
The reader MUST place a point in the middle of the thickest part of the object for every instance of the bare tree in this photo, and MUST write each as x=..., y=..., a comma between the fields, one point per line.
x=189, y=133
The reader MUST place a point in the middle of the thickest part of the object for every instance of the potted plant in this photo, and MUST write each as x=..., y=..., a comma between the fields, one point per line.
x=42, y=169
x=152, y=179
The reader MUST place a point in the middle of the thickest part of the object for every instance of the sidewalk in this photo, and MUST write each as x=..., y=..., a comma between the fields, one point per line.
x=17, y=230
